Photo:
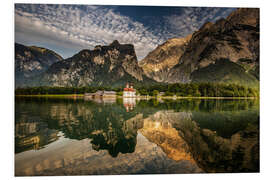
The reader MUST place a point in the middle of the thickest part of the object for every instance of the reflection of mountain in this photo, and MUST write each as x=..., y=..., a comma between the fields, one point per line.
x=214, y=153
x=117, y=140
x=157, y=129
x=72, y=157
x=33, y=135
x=218, y=142
x=218, y=136
x=108, y=126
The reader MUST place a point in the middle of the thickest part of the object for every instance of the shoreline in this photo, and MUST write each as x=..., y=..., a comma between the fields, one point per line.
x=137, y=97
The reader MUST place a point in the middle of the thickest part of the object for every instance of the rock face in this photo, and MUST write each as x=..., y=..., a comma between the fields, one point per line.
x=158, y=63
x=226, y=51
x=112, y=65
x=31, y=61
x=235, y=39
x=184, y=60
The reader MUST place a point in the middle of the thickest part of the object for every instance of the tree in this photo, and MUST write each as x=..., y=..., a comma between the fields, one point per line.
x=197, y=93
x=143, y=92
x=120, y=93
x=168, y=93
x=155, y=93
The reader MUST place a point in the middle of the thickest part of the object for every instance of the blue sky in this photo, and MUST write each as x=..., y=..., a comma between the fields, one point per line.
x=67, y=29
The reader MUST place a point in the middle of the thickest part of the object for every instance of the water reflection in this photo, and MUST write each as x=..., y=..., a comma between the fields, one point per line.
x=129, y=103
x=100, y=100
x=154, y=136
x=33, y=135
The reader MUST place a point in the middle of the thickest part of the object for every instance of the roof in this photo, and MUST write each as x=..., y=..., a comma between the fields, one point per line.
x=109, y=92
x=101, y=93
x=129, y=89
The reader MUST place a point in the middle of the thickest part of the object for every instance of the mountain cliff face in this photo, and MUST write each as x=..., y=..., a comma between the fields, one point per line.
x=157, y=63
x=31, y=61
x=226, y=51
x=112, y=65
x=235, y=39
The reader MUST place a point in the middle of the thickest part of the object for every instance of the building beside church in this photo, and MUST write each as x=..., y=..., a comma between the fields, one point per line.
x=129, y=91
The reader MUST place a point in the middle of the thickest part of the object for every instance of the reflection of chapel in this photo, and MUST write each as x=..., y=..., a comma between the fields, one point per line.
x=129, y=103
x=129, y=91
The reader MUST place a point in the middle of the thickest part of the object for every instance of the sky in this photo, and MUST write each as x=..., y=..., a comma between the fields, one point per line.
x=67, y=29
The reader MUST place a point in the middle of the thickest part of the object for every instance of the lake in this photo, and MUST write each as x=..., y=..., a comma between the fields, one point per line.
x=66, y=136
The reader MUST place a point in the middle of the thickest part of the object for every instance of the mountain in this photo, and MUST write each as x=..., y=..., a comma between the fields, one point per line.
x=226, y=51
x=198, y=57
x=31, y=61
x=224, y=71
x=235, y=39
x=113, y=65
x=157, y=63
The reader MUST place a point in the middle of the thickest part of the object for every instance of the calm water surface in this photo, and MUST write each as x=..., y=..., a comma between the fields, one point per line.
x=128, y=136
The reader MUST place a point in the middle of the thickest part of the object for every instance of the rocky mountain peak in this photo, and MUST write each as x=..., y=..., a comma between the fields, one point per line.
x=98, y=47
x=158, y=62
x=31, y=61
x=115, y=43
x=235, y=39
x=206, y=26
x=247, y=16
x=85, y=53
x=115, y=64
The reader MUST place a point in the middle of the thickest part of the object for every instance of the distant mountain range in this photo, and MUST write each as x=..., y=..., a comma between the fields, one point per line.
x=226, y=51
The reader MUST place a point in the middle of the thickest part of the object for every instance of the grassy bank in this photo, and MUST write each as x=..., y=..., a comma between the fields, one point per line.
x=141, y=97
x=50, y=95
x=192, y=90
x=187, y=97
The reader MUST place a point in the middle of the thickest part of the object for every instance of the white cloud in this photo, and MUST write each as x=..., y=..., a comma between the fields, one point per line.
x=71, y=27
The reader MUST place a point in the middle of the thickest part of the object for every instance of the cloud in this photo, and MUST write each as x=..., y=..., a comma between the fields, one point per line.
x=77, y=28
x=191, y=19
x=70, y=28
